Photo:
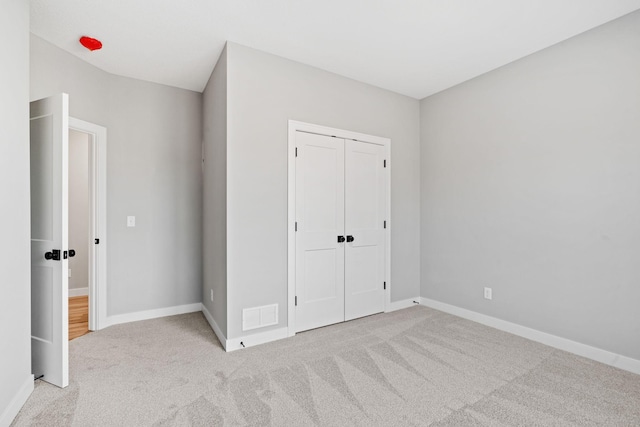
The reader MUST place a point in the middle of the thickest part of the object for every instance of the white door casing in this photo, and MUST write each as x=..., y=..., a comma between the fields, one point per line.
x=366, y=274
x=49, y=227
x=365, y=212
x=320, y=220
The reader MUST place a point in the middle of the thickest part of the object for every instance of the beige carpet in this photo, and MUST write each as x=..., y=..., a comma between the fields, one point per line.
x=412, y=367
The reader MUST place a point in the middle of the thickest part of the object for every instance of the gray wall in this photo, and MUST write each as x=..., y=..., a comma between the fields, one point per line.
x=531, y=186
x=15, y=228
x=264, y=92
x=214, y=113
x=79, y=208
x=153, y=173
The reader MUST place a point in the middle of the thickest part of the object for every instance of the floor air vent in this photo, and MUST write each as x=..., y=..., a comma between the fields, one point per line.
x=259, y=317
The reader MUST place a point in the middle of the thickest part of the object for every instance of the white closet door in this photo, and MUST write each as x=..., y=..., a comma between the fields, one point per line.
x=365, y=195
x=320, y=220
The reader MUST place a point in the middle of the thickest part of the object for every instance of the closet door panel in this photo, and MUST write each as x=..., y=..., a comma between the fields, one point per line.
x=365, y=198
x=320, y=220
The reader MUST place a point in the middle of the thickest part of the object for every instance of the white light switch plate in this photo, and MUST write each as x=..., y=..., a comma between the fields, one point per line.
x=131, y=221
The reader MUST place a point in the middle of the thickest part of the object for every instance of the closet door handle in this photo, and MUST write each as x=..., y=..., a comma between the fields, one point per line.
x=350, y=239
x=340, y=239
x=54, y=255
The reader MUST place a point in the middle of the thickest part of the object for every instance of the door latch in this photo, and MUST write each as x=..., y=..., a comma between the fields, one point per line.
x=340, y=239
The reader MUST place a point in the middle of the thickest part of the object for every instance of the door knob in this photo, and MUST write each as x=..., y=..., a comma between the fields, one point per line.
x=72, y=253
x=340, y=239
x=54, y=255
x=350, y=239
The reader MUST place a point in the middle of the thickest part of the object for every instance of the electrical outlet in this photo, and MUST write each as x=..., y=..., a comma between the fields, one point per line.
x=488, y=294
x=211, y=295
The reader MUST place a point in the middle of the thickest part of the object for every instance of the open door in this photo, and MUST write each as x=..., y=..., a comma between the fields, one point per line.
x=49, y=120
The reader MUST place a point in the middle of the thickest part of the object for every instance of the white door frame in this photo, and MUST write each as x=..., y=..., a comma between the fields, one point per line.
x=97, y=222
x=295, y=126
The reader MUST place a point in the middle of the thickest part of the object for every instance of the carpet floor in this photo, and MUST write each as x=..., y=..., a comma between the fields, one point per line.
x=416, y=366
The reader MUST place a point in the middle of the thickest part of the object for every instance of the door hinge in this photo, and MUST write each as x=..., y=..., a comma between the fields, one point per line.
x=296, y=151
x=296, y=225
x=296, y=298
x=96, y=241
x=384, y=286
x=385, y=224
x=384, y=163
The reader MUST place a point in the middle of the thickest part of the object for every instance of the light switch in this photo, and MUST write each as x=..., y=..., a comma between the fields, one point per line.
x=131, y=221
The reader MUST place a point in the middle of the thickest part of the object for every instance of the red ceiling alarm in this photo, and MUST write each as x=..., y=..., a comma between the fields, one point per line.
x=90, y=43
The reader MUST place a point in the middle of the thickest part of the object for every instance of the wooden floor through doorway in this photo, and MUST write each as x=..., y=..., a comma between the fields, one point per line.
x=78, y=316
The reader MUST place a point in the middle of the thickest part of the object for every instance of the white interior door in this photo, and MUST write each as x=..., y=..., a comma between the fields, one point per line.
x=320, y=220
x=365, y=207
x=49, y=222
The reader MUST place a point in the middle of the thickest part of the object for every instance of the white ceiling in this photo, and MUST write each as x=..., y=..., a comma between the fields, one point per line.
x=413, y=47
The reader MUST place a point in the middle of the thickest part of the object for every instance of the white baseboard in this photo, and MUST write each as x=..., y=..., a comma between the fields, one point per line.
x=255, y=339
x=215, y=327
x=10, y=412
x=405, y=303
x=152, y=314
x=594, y=353
x=78, y=292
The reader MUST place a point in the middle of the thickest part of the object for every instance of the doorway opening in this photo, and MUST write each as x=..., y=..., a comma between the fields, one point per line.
x=50, y=125
x=87, y=227
x=79, y=220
